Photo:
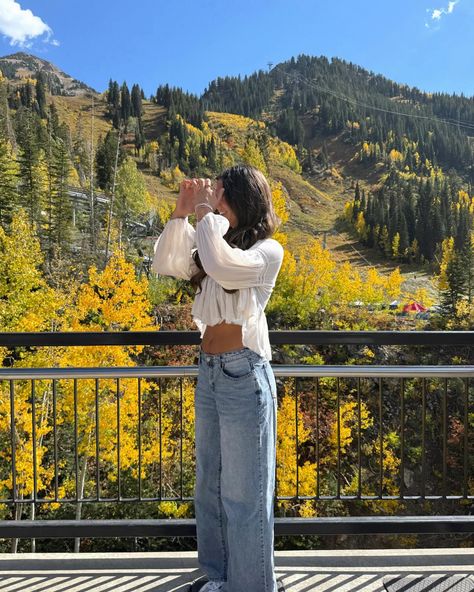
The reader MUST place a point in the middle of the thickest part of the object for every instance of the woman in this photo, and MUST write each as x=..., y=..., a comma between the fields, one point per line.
x=233, y=269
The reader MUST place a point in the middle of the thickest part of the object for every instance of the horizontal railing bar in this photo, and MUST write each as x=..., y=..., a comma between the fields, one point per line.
x=293, y=498
x=283, y=526
x=94, y=500
x=299, y=370
x=374, y=525
x=83, y=338
x=370, y=498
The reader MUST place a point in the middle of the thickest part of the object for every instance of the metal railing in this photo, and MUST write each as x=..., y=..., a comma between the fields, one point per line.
x=359, y=435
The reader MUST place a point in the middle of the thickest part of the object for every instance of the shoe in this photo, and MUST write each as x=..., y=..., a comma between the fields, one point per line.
x=212, y=586
x=280, y=586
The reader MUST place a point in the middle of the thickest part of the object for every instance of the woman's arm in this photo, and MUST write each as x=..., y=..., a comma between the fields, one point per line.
x=235, y=268
x=173, y=249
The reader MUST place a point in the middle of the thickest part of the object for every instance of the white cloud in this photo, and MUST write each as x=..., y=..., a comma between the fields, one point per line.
x=451, y=6
x=21, y=26
x=439, y=12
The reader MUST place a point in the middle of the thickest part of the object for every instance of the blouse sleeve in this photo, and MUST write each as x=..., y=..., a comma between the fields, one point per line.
x=173, y=250
x=235, y=268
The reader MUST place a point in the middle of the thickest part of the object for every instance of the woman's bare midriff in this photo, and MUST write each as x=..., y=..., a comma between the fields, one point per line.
x=225, y=337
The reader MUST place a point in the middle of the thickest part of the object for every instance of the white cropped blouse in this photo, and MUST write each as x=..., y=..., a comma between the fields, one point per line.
x=251, y=272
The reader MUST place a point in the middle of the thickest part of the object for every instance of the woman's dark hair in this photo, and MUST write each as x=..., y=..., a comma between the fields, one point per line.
x=249, y=196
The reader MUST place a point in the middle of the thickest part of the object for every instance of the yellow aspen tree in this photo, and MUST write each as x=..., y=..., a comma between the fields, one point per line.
x=396, y=246
x=286, y=451
x=392, y=285
x=373, y=291
x=395, y=156
x=26, y=301
x=414, y=249
x=348, y=209
x=283, y=153
x=172, y=177
x=447, y=253
x=27, y=304
x=361, y=227
x=9, y=172
x=385, y=241
x=132, y=197
x=348, y=427
x=279, y=202
x=302, y=283
x=252, y=155
x=346, y=283
x=422, y=296
x=112, y=300
x=163, y=209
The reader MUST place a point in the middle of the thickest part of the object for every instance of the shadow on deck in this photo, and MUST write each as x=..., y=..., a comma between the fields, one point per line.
x=421, y=570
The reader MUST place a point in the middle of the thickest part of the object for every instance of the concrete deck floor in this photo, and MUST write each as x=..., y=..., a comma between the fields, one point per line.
x=419, y=570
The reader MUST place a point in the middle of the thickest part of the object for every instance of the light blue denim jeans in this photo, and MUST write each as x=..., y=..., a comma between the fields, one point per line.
x=236, y=408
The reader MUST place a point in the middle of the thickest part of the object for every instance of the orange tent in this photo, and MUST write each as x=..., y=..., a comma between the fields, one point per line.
x=414, y=307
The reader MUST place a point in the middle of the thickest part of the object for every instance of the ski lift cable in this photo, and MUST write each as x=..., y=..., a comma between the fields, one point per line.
x=354, y=249
x=300, y=78
x=447, y=121
x=454, y=122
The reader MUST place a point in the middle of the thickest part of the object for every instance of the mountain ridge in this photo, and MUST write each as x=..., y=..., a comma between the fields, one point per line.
x=343, y=150
x=19, y=66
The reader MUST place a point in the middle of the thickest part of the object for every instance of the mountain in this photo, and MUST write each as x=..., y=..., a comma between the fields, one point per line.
x=382, y=172
x=311, y=99
x=20, y=66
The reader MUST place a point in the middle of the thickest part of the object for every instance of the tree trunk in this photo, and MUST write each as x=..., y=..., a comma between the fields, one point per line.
x=18, y=513
x=32, y=517
x=112, y=198
x=82, y=483
x=92, y=204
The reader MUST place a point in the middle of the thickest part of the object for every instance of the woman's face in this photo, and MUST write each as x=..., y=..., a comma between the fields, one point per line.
x=223, y=206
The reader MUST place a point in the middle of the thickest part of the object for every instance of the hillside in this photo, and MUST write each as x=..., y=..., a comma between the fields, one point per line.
x=76, y=111
x=319, y=127
x=310, y=100
x=21, y=66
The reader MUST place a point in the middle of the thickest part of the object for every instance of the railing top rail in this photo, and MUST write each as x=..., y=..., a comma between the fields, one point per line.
x=128, y=338
x=302, y=371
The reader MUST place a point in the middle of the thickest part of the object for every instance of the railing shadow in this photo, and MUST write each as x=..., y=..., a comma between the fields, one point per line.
x=305, y=572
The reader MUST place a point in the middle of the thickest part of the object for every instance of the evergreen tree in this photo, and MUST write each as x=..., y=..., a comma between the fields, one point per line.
x=467, y=262
x=9, y=172
x=27, y=95
x=33, y=176
x=125, y=103
x=60, y=207
x=136, y=101
x=139, y=137
x=403, y=233
x=463, y=229
x=41, y=95
x=105, y=160
x=456, y=284
x=113, y=102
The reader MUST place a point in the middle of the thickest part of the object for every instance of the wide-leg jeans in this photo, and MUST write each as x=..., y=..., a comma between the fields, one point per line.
x=236, y=408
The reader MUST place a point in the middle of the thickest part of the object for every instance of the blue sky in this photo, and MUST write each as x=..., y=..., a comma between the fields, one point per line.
x=188, y=43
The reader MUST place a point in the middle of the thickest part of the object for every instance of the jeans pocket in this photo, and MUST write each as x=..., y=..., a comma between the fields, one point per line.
x=237, y=368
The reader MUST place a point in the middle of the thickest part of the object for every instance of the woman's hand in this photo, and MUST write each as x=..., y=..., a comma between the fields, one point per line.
x=185, y=203
x=193, y=192
x=204, y=193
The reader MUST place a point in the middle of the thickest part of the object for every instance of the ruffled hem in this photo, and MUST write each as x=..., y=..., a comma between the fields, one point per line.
x=213, y=306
